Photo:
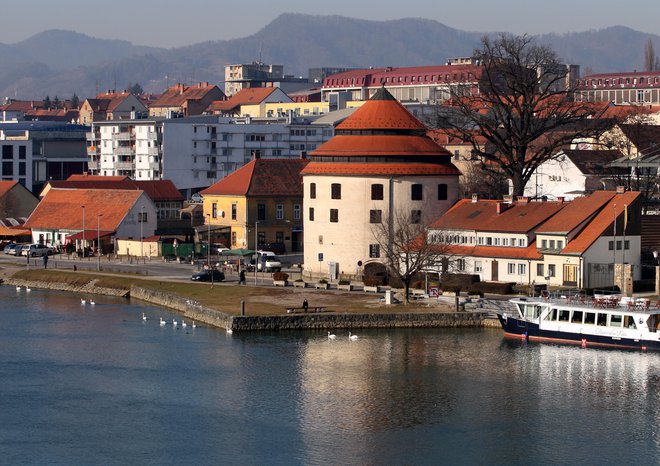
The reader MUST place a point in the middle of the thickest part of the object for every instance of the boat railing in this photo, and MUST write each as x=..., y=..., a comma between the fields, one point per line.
x=599, y=300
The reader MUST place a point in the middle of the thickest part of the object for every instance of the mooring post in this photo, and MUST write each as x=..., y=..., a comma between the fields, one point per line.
x=456, y=302
x=243, y=308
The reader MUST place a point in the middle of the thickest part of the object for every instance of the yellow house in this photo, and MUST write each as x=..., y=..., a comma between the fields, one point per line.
x=258, y=204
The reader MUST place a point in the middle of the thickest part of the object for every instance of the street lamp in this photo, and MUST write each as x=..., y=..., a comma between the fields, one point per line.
x=256, y=243
x=98, y=241
x=142, y=233
x=208, y=242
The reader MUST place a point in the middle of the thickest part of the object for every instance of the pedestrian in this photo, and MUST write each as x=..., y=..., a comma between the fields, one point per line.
x=305, y=305
x=46, y=261
x=241, y=277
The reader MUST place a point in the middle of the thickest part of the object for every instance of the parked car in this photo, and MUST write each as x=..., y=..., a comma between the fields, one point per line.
x=269, y=263
x=9, y=248
x=15, y=250
x=208, y=275
x=34, y=250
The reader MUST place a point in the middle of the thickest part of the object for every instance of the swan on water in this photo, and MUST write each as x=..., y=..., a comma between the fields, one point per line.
x=82, y=301
x=144, y=317
x=162, y=322
x=331, y=336
x=352, y=337
x=183, y=323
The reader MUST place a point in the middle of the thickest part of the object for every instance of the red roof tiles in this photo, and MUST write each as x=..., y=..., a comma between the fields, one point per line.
x=401, y=169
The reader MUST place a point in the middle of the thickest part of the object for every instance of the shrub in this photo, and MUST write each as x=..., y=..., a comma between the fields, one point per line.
x=474, y=292
x=344, y=282
x=298, y=280
x=494, y=287
x=323, y=280
x=451, y=289
x=280, y=276
x=464, y=280
x=70, y=248
x=372, y=281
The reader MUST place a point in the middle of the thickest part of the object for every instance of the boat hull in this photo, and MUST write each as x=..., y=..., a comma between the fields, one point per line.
x=521, y=329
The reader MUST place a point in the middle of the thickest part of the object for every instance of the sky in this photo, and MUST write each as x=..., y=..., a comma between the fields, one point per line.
x=173, y=23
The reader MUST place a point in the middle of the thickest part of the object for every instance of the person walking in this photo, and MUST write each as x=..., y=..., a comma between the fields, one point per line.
x=305, y=305
x=45, y=261
x=241, y=277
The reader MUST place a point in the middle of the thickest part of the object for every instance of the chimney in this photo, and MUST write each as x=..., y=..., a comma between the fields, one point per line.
x=523, y=200
x=560, y=200
x=508, y=198
x=475, y=198
x=501, y=207
x=255, y=154
x=620, y=189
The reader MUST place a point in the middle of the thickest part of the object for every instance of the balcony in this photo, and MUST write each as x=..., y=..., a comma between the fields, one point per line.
x=92, y=165
x=92, y=136
x=123, y=166
x=124, y=151
x=126, y=136
x=153, y=151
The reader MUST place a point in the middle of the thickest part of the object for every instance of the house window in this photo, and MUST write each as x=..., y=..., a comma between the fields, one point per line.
x=234, y=209
x=416, y=192
x=261, y=212
x=551, y=270
x=460, y=264
x=489, y=241
x=311, y=214
x=374, y=250
x=334, y=215
x=610, y=245
x=560, y=244
x=511, y=268
x=513, y=242
x=233, y=238
x=618, y=245
x=279, y=236
x=279, y=211
x=416, y=216
x=552, y=244
x=142, y=217
x=8, y=168
x=312, y=190
x=376, y=192
x=375, y=216
x=335, y=191
x=626, y=244
x=21, y=152
x=522, y=269
x=296, y=211
x=544, y=244
x=478, y=268
x=539, y=270
x=442, y=192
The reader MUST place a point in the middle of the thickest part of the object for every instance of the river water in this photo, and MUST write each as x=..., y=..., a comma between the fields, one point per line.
x=82, y=384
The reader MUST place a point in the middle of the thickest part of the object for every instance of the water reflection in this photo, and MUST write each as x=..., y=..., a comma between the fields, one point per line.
x=97, y=385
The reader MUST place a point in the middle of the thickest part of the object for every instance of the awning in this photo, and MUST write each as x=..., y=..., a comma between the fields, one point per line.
x=90, y=235
x=6, y=231
x=237, y=252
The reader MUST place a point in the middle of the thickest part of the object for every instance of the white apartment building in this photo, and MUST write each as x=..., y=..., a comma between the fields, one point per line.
x=196, y=152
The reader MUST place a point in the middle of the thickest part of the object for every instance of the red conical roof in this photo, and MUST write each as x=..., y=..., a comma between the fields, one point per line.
x=381, y=112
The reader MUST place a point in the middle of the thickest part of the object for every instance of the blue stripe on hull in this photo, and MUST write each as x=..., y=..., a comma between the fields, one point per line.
x=522, y=329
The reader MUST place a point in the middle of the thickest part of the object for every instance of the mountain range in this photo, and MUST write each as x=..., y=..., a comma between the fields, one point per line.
x=61, y=63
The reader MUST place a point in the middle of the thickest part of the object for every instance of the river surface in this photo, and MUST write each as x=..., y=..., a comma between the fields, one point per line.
x=96, y=385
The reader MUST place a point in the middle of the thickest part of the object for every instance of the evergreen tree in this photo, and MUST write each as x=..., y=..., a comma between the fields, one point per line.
x=47, y=103
x=135, y=89
x=75, y=100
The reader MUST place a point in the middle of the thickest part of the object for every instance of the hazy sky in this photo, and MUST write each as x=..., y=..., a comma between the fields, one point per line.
x=171, y=23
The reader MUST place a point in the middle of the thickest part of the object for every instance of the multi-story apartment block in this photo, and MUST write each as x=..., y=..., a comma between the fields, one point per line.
x=255, y=74
x=633, y=87
x=196, y=152
x=33, y=152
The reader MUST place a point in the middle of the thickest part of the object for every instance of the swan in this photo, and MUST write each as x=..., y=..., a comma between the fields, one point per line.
x=162, y=322
x=144, y=317
x=183, y=323
x=331, y=336
x=91, y=302
x=27, y=288
x=83, y=302
x=352, y=337
x=230, y=330
x=194, y=325
x=18, y=288
x=174, y=322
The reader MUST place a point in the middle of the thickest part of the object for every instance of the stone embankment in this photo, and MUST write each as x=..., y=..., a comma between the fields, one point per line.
x=89, y=288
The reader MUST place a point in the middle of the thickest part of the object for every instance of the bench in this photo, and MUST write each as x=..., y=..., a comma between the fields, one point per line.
x=291, y=310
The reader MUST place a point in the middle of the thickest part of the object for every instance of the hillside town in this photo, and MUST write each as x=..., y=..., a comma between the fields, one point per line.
x=335, y=167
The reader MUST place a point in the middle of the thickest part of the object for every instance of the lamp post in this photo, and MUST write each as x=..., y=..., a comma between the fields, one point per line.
x=98, y=241
x=142, y=233
x=82, y=241
x=208, y=249
x=256, y=256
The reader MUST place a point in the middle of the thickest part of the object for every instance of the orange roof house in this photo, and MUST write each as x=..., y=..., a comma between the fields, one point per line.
x=260, y=202
x=247, y=96
x=186, y=100
x=111, y=106
x=90, y=213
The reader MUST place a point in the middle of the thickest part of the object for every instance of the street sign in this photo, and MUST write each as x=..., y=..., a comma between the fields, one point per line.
x=320, y=257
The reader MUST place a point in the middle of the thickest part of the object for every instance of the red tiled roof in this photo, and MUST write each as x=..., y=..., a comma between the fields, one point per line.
x=61, y=208
x=86, y=177
x=262, y=177
x=576, y=212
x=518, y=217
x=380, y=146
x=248, y=96
x=332, y=168
x=157, y=190
x=390, y=76
x=530, y=252
x=178, y=94
x=6, y=186
x=601, y=222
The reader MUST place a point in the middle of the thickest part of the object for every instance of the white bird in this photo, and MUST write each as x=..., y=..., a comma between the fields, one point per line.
x=144, y=317
x=352, y=337
x=183, y=323
x=91, y=302
x=82, y=301
x=162, y=322
x=331, y=336
x=27, y=288
x=174, y=322
x=194, y=325
x=230, y=330
x=18, y=288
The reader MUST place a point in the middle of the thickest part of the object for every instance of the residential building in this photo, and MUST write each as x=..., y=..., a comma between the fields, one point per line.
x=256, y=74
x=196, y=152
x=85, y=216
x=111, y=106
x=259, y=203
x=182, y=100
x=15, y=200
x=253, y=98
x=380, y=164
x=555, y=243
x=574, y=173
x=33, y=152
x=631, y=87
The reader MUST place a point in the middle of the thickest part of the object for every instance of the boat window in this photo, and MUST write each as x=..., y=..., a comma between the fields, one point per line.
x=590, y=318
x=629, y=322
x=577, y=317
x=602, y=319
x=564, y=315
x=616, y=320
x=552, y=315
x=653, y=322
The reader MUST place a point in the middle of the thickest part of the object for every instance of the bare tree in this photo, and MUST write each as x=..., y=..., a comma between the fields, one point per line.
x=523, y=109
x=405, y=246
x=650, y=59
